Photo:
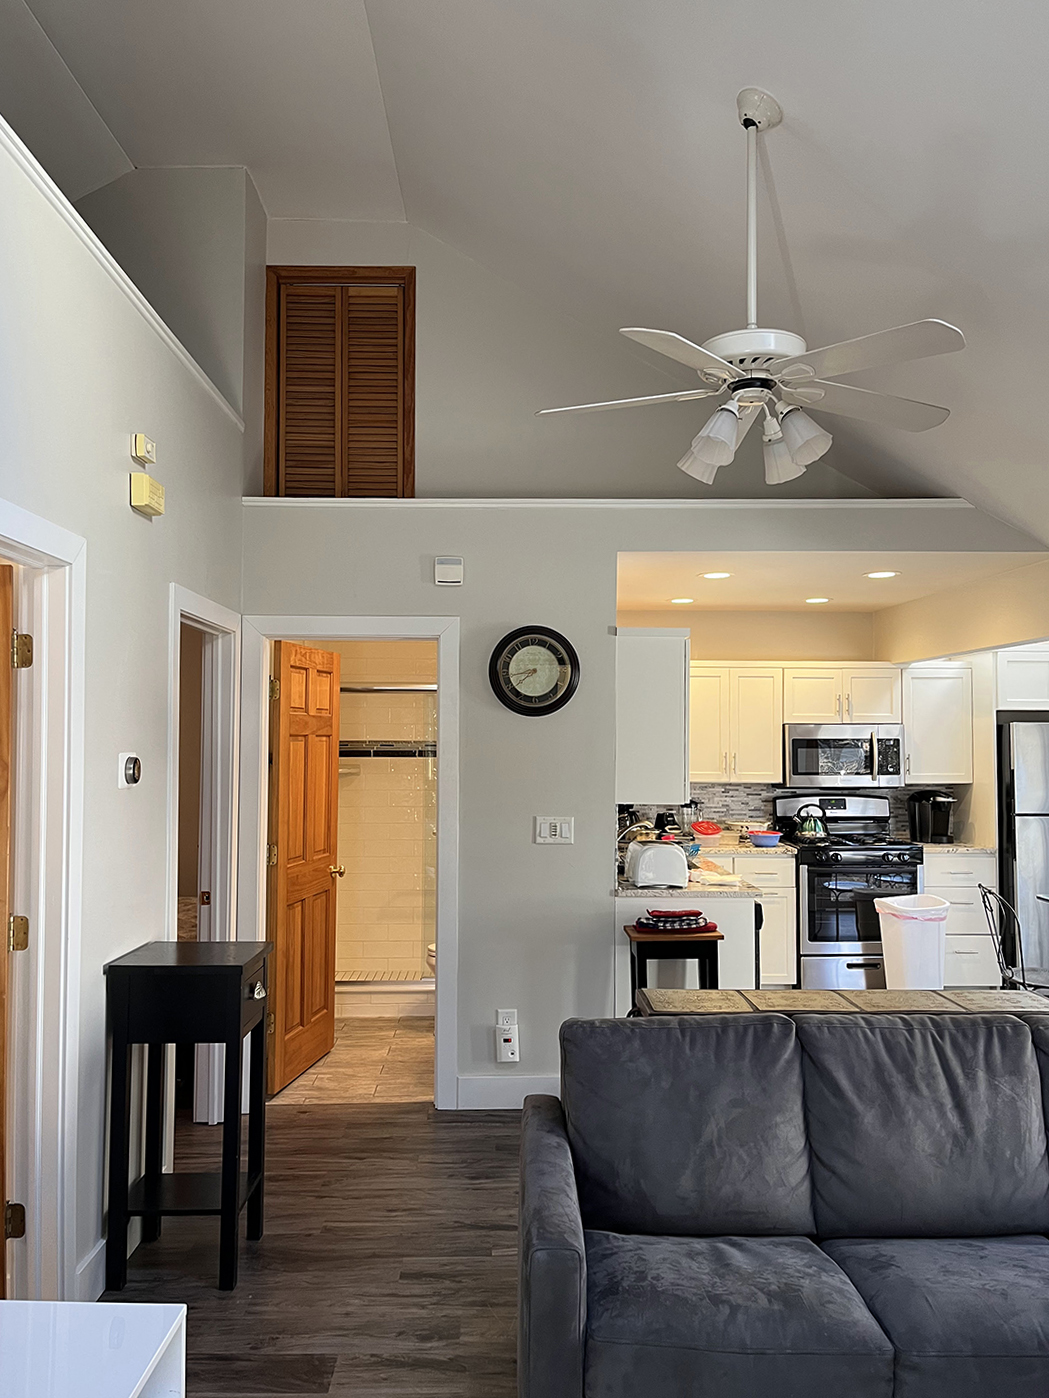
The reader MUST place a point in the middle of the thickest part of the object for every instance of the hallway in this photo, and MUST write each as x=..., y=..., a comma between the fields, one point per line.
x=388, y=1265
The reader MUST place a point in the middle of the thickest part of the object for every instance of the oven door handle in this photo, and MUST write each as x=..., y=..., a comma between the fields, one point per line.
x=874, y=756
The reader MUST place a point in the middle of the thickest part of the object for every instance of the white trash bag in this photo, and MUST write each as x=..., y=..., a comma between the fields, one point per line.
x=913, y=940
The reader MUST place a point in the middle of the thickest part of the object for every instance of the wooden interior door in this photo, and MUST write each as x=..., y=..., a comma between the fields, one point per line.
x=7, y=574
x=304, y=827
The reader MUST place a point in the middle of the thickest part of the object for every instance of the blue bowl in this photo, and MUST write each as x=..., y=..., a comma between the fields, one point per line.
x=764, y=839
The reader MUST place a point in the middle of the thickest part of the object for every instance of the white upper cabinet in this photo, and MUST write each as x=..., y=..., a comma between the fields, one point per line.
x=812, y=695
x=938, y=724
x=1023, y=678
x=708, y=725
x=652, y=717
x=756, y=725
x=842, y=694
x=736, y=724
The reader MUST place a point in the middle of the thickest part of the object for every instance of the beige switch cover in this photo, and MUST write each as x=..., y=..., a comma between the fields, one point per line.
x=143, y=449
x=147, y=495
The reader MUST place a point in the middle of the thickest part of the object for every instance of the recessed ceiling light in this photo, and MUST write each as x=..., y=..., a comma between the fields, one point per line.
x=817, y=599
x=717, y=575
x=887, y=574
x=681, y=601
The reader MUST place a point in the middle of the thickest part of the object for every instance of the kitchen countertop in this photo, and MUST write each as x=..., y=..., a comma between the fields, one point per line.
x=694, y=890
x=958, y=849
x=730, y=844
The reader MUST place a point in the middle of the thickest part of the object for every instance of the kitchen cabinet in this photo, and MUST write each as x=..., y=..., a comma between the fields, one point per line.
x=938, y=724
x=955, y=875
x=842, y=694
x=652, y=680
x=1023, y=678
x=779, y=947
x=736, y=723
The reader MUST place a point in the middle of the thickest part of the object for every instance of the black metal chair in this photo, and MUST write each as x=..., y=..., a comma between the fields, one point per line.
x=1003, y=921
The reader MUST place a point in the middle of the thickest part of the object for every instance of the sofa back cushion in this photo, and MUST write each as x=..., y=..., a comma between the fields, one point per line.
x=687, y=1126
x=924, y=1125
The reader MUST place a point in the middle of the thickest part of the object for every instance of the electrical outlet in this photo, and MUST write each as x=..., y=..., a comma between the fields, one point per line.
x=505, y=1019
x=554, y=830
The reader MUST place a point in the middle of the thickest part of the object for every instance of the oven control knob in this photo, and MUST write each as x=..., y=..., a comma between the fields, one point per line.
x=834, y=857
x=888, y=859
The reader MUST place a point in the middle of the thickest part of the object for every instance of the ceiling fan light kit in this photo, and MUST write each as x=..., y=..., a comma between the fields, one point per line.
x=774, y=371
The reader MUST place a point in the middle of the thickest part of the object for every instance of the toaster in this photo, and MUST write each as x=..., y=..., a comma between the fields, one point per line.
x=655, y=864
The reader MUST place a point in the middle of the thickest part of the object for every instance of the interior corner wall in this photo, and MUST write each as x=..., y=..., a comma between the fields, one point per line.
x=82, y=365
x=181, y=235
x=717, y=635
x=1006, y=610
x=490, y=354
x=254, y=352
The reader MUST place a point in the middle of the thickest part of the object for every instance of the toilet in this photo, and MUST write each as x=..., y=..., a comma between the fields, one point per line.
x=431, y=958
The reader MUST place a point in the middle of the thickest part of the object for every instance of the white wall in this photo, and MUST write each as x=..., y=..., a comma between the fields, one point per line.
x=536, y=921
x=81, y=367
x=767, y=635
x=490, y=355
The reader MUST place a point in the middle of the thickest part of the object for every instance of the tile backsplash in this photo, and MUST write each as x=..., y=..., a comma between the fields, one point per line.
x=741, y=801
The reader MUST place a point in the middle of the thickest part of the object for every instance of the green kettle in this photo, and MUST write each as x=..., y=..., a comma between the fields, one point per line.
x=811, y=824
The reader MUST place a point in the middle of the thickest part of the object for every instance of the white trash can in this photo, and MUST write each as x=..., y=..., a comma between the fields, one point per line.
x=913, y=940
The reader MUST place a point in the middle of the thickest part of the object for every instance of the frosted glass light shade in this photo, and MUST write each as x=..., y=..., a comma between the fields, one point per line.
x=780, y=466
x=806, y=440
x=715, y=443
x=692, y=465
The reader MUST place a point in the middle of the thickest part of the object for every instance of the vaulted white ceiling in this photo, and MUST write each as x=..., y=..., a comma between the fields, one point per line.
x=590, y=151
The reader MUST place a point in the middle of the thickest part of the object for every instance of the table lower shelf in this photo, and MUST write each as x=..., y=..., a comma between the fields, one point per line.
x=186, y=1192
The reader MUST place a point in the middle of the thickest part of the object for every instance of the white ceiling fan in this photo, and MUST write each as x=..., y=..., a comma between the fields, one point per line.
x=772, y=372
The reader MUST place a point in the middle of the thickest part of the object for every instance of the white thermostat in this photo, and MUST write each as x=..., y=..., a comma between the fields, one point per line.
x=448, y=572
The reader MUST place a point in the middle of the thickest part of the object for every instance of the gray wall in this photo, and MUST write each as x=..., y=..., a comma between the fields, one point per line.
x=536, y=921
x=80, y=369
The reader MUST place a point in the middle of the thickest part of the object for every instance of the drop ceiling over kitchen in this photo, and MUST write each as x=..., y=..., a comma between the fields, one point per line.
x=784, y=581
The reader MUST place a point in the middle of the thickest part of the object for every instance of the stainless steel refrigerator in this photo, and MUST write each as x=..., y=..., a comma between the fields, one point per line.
x=1023, y=820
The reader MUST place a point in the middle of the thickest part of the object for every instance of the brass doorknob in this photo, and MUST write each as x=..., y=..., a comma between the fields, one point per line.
x=336, y=870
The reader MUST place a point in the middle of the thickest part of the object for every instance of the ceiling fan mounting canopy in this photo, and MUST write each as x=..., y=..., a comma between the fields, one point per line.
x=773, y=372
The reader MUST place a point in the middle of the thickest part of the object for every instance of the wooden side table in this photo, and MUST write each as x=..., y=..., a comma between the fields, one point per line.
x=701, y=947
x=177, y=993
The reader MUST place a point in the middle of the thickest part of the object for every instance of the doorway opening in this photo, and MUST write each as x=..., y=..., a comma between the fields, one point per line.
x=384, y=944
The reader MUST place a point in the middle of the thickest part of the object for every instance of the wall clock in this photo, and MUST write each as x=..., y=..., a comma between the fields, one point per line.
x=534, y=670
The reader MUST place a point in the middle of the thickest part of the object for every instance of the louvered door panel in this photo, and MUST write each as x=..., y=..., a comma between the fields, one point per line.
x=310, y=390
x=373, y=370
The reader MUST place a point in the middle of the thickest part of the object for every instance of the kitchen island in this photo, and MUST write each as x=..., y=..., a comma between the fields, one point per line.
x=733, y=909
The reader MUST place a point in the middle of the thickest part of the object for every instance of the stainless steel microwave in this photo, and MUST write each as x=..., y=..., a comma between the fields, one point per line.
x=843, y=756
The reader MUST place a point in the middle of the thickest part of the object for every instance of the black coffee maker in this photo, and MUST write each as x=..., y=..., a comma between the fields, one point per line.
x=931, y=816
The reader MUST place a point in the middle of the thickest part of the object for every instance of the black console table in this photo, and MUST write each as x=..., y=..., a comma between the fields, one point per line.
x=176, y=993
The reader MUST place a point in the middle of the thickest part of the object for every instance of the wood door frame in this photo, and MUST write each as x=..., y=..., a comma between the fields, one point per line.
x=219, y=762
x=47, y=874
x=257, y=633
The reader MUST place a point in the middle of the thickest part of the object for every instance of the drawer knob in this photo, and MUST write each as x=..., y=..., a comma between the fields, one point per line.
x=256, y=991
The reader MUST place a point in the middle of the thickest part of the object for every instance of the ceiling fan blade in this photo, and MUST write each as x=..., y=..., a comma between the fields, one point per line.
x=633, y=402
x=883, y=408
x=915, y=341
x=684, y=351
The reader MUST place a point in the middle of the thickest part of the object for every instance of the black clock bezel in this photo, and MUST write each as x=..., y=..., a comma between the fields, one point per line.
x=539, y=633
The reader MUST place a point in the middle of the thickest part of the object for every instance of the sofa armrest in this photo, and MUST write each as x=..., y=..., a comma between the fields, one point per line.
x=552, y=1297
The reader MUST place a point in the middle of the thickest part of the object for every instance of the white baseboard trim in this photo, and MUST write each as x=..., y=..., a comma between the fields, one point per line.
x=91, y=1274
x=496, y=1092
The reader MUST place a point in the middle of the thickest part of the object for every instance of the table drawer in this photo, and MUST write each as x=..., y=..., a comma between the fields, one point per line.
x=971, y=961
x=765, y=873
x=947, y=870
x=966, y=917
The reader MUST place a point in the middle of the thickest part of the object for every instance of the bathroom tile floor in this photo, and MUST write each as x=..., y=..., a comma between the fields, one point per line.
x=373, y=1060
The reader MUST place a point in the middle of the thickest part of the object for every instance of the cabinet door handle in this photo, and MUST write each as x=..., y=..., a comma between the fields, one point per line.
x=908, y=764
x=724, y=763
x=848, y=706
x=733, y=764
x=965, y=953
x=837, y=704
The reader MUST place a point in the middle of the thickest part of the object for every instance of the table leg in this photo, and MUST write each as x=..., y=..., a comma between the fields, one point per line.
x=119, y=1113
x=154, y=1134
x=257, y=1127
x=230, y=1188
x=633, y=1010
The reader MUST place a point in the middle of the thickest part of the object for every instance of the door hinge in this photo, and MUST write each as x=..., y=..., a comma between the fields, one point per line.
x=14, y=1221
x=271, y=855
x=271, y=1023
x=21, y=650
x=274, y=689
x=17, y=933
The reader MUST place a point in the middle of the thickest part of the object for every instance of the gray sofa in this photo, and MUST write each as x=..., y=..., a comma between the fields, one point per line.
x=764, y=1206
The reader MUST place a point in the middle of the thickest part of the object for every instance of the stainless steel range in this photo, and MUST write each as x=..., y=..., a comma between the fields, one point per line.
x=839, y=877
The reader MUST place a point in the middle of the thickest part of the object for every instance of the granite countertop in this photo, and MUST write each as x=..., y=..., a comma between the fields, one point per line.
x=694, y=890
x=958, y=849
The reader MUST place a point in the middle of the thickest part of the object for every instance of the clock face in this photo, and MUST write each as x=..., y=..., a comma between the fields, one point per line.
x=534, y=670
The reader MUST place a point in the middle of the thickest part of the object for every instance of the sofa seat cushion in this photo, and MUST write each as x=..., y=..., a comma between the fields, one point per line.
x=674, y=1317
x=968, y=1316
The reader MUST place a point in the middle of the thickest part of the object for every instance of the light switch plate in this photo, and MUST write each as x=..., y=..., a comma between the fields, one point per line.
x=554, y=830
x=448, y=572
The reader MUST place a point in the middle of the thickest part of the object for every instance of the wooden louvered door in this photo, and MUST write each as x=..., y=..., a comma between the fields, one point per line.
x=340, y=382
x=304, y=828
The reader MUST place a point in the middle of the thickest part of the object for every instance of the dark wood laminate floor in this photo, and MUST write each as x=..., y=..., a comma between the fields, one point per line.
x=388, y=1265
